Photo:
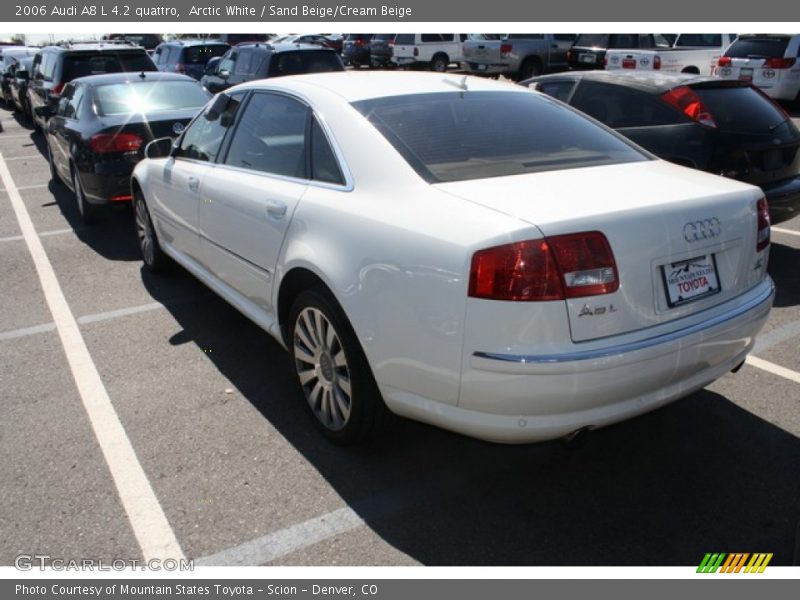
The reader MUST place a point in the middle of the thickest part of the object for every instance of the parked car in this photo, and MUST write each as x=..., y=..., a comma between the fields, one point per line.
x=233, y=39
x=517, y=55
x=55, y=66
x=98, y=131
x=356, y=49
x=188, y=57
x=19, y=87
x=436, y=51
x=589, y=49
x=381, y=50
x=724, y=127
x=8, y=66
x=691, y=53
x=336, y=41
x=308, y=38
x=258, y=61
x=768, y=61
x=459, y=251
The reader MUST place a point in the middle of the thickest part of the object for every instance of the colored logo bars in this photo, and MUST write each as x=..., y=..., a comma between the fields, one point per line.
x=735, y=562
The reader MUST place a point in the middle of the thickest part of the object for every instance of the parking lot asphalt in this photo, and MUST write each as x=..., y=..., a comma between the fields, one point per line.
x=215, y=421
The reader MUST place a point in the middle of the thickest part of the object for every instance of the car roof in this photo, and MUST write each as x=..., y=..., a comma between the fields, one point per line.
x=353, y=86
x=646, y=81
x=285, y=47
x=132, y=77
x=89, y=47
x=211, y=42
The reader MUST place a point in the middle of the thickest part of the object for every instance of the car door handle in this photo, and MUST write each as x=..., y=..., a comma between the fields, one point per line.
x=194, y=184
x=276, y=209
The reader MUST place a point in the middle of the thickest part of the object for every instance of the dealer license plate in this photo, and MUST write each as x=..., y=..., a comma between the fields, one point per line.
x=745, y=74
x=690, y=280
x=588, y=58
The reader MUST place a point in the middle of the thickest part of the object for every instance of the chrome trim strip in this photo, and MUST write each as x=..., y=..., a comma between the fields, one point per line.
x=633, y=346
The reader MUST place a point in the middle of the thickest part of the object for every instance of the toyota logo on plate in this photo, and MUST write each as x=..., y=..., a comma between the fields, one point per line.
x=768, y=73
x=706, y=229
x=644, y=61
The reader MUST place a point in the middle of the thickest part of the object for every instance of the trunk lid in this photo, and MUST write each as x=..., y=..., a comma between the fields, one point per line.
x=664, y=223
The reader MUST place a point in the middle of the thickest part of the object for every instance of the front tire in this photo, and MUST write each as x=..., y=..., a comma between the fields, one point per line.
x=333, y=371
x=439, y=63
x=154, y=258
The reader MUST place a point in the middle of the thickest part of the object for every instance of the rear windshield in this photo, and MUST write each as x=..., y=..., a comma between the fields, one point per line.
x=80, y=65
x=592, y=40
x=740, y=109
x=452, y=136
x=383, y=37
x=762, y=47
x=148, y=97
x=200, y=55
x=305, y=61
x=699, y=40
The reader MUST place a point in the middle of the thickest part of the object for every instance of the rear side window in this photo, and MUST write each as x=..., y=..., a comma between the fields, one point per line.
x=304, y=61
x=244, y=62
x=48, y=66
x=324, y=166
x=270, y=136
x=740, y=109
x=560, y=90
x=80, y=65
x=404, y=39
x=452, y=136
x=525, y=36
x=761, y=47
x=621, y=107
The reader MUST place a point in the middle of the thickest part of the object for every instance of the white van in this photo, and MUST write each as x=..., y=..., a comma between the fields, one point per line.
x=436, y=51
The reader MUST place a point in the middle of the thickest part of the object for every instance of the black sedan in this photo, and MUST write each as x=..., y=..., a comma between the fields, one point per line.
x=102, y=123
x=725, y=127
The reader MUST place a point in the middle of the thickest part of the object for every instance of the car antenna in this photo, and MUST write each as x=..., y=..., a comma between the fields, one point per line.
x=462, y=85
x=142, y=75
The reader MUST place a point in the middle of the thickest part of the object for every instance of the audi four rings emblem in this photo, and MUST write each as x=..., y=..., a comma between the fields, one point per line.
x=705, y=229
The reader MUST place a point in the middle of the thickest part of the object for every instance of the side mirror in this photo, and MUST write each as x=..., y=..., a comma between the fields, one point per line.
x=211, y=65
x=224, y=74
x=45, y=111
x=218, y=106
x=159, y=148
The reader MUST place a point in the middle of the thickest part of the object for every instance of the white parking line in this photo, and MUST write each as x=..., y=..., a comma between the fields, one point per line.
x=147, y=519
x=26, y=331
x=16, y=238
x=786, y=231
x=769, y=367
x=30, y=157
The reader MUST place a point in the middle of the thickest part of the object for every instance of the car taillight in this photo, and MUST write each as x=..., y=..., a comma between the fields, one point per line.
x=554, y=268
x=56, y=90
x=416, y=51
x=120, y=142
x=656, y=62
x=685, y=100
x=359, y=42
x=762, y=239
x=724, y=61
x=505, y=48
x=569, y=54
x=779, y=63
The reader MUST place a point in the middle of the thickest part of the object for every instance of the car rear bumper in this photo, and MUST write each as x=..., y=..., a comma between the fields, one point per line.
x=107, y=183
x=783, y=199
x=521, y=399
x=477, y=68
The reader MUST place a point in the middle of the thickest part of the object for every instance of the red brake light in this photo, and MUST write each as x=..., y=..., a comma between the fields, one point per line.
x=120, y=142
x=656, y=62
x=686, y=101
x=724, y=61
x=505, y=48
x=57, y=89
x=564, y=266
x=762, y=239
x=779, y=63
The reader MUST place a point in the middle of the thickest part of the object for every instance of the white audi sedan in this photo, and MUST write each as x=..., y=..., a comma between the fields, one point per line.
x=458, y=251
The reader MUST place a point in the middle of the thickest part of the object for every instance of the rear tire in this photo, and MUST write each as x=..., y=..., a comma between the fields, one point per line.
x=154, y=258
x=53, y=171
x=531, y=67
x=337, y=382
x=439, y=63
x=87, y=211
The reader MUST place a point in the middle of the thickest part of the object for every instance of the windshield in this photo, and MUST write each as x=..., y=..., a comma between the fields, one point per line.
x=454, y=136
x=764, y=47
x=148, y=97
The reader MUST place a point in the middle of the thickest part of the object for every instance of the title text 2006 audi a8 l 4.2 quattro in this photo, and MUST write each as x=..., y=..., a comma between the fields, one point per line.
x=458, y=251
